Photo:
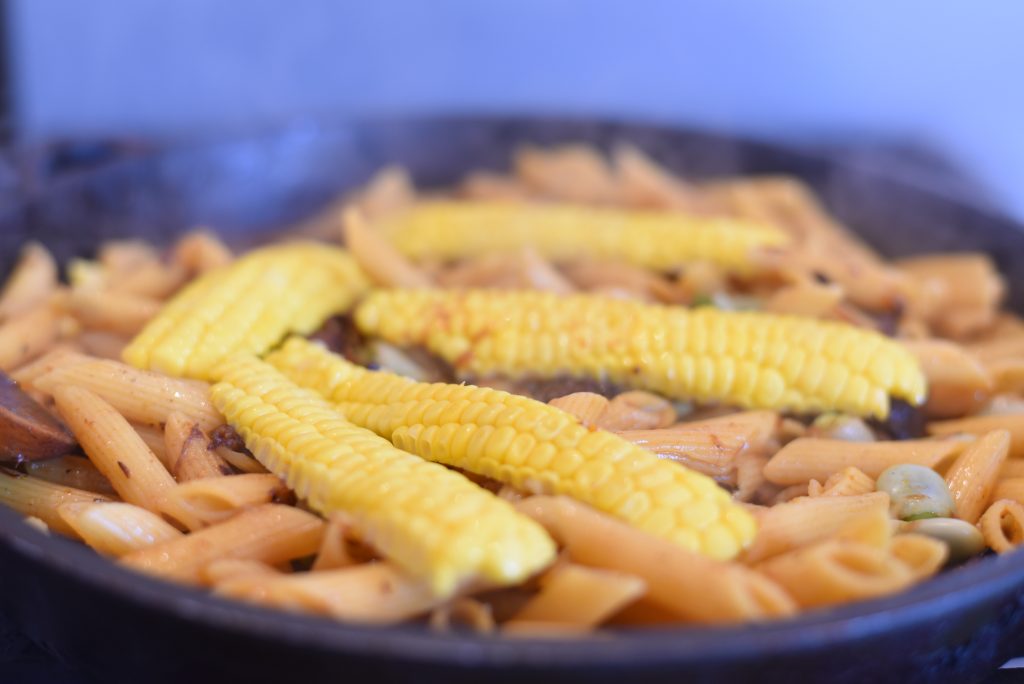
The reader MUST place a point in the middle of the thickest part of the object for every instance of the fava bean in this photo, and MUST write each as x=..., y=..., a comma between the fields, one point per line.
x=916, y=492
x=839, y=426
x=963, y=539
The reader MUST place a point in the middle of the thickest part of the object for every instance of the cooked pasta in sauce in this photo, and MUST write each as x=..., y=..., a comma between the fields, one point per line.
x=582, y=395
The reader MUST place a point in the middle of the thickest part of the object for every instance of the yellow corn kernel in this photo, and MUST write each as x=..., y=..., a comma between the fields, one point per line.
x=431, y=521
x=658, y=240
x=747, y=359
x=249, y=306
x=530, y=445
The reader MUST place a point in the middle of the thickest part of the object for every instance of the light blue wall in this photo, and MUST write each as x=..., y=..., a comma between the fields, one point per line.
x=946, y=72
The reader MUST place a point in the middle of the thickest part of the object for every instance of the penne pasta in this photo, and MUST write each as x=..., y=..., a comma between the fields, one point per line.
x=689, y=585
x=579, y=596
x=597, y=275
x=382, y=262
x=537, y=273
x=116, y=450
x=643, y=613
x=377, y=593
x=789, y=493
x=484, y=185
x=102, y=345
x=586, y=406
x=707, y=452
x=270, y=533
x=26, y=336
x=189, y=451
x=643, y=183
x=199, y=503
x=150, y=280
x=995, y=349
x=836, y=571
x=825, y=250
x=1007, y=375
x=140, y=396
x=388, y=192
x=965, y=290
x=1011, y=468
x=973, y=475
x=524, y=268
x=124, y=256
x=811, y=458
x=35, y=497
x=981, y=425
x=873, y=527
x=1011, y=488
x=154, y=439
x=923, y=556
x=1002, y=525
x=637, y=410
x=62, y=353
x=32, y=283
x=710, y=446
x=849, y=481
x=749, y=475
x=575, y=173
x=221, y=571
x=488, y=270
x=805, y=299
x=200, y=251
x=241, y=462
x=334, y=550
x=116, y=529
x=72, y=471
x=957, y=382
x=757, y=428
x=116, y=312
x=807, y=520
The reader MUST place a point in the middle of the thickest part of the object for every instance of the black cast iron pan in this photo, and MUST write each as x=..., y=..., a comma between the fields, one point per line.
x=126, y=627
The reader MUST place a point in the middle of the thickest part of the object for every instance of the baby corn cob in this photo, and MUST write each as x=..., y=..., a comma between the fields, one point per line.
x=659, y=240
x=528, y=444
x=748, y=359
x=247, y=306
x=429, y=520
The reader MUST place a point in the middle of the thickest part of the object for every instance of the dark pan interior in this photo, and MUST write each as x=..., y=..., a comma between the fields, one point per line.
x=130, y=628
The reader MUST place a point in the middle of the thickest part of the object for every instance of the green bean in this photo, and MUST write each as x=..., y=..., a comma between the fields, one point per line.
x=916, y=492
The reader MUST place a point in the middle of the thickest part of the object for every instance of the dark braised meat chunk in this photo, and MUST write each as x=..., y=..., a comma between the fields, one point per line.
x=904, y=422
x=27, y=431
x=341, y=336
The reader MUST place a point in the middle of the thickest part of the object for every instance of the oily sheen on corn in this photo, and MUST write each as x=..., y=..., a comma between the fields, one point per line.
x=747, y=359
x=658, y=240
x=429, y=520
x=533, y=446
x=247, y=306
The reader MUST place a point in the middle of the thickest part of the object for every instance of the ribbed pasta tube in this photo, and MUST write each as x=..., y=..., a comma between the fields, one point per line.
x=1002, y=525
x=115, y=528
x=747, y=359
x=530, y=445
x=432, y=522
x=270, y=533
x=658, y=240
x=247, y=306
x=836, y=571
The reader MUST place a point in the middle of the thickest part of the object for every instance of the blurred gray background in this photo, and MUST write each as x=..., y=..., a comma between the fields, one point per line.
x=948, y=74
